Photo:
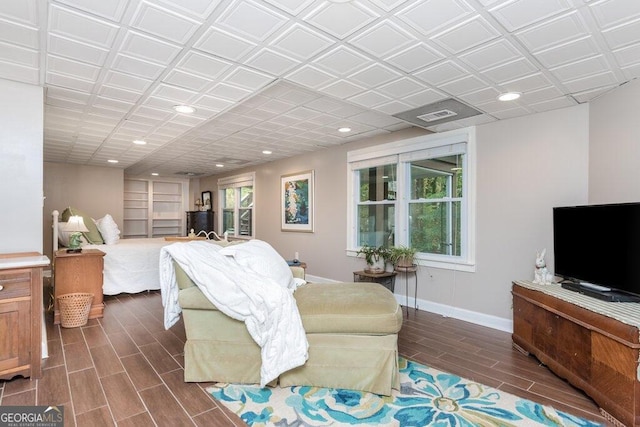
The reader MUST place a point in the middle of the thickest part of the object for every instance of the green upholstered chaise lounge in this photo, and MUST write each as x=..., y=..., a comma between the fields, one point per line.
x=352, y=331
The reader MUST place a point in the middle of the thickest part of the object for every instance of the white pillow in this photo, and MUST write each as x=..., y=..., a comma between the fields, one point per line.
x=109, y=229
x=261, y=258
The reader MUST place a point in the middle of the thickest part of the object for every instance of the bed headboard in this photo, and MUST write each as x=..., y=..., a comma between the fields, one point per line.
x=55, y=214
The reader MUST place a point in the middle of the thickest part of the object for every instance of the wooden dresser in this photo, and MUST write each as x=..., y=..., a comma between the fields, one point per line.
x=21, y=309
x=592, y=343
x=79, y=272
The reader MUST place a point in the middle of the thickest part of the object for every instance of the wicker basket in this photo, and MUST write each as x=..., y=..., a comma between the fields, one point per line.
x=74, y=309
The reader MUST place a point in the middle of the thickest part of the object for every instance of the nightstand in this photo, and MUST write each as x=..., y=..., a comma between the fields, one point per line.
x=79, y=272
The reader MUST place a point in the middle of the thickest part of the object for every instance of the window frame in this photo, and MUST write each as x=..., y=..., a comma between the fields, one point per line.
x=402, y=153
x=237, y=182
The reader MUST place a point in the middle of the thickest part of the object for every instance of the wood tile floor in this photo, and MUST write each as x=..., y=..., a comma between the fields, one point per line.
x=125, y=369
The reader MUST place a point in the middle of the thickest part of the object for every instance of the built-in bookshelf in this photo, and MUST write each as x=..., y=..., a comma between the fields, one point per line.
x=154, y=208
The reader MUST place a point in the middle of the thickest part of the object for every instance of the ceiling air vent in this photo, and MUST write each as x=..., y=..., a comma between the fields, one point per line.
x=437, y=115
x=439, y=112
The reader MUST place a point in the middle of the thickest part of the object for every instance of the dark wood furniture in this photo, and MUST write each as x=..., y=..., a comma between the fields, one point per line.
x=21, y=314
x=199, y=221
x=79, y=272
x=594, y=352
x=386, y=278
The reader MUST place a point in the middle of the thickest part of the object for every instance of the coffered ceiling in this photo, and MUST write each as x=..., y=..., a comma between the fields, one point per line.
x=284, y=75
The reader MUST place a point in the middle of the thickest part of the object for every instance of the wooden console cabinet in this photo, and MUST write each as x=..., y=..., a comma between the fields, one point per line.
x=79, y=272
x=21, y=310
x=595, y=352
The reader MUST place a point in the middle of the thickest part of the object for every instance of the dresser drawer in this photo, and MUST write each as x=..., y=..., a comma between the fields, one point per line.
x=15, y=283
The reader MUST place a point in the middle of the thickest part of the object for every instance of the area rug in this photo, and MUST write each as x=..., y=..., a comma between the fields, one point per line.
x=427, y=397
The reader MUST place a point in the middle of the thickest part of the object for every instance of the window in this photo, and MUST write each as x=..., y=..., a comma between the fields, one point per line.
x=236, y=203
x=417, y=193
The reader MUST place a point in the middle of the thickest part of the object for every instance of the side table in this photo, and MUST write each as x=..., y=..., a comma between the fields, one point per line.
x=406, y=270
x=79, y=272
x=386, y=278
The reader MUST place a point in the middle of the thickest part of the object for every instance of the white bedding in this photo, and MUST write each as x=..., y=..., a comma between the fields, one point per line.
x=131, y=265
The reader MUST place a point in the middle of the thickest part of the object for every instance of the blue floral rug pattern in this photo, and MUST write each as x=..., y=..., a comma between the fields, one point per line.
x=427, y=397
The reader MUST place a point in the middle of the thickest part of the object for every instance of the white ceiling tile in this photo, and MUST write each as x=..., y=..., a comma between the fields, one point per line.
x=342, y=61
x=112, y=9
x=541, y=95
x=81, y=27
x=25, y=11
x=72, y=95
x=76, y=50
x=127, y=81
x=401, y=88
x=136, y=66
x=567, y=53
x=629, y=55
x=511, y=70
x=274, y=106
x=466, y=35
x=632, y=71
x=369, y=99
x=622, y=35
x=594, y=65
x=248, y=79
x=66, y=103
x=491, y=54
x=340, y=19
x=593, y=81
x=374, y=76
x=187, y=80
x=111, y=104
x=271, y=62
x=119, y=94
x=19, y=34
x=560, y=30
x=415, y=57
x=216, y=104
x=203, y=65
x=441, y=73
x=342, y=89
x=424, y=97
x=421, y=15
x=552, y=104
x=590, y=94
x=226, y=91
x=388, y=5
x=291, y=6
x=83, y=70
x=481, y=96
x=517, y=14
x=310, y=76
x=383, y=39
x=149, y=48
x=251, y=19
x=19, y=55
x=163, y=23
x=301, y=42
x=614, y=12
x=154, y=113
x=199, y=8
x=223, y=44
x=69, y=82
x=527, y=83
x=464, y=85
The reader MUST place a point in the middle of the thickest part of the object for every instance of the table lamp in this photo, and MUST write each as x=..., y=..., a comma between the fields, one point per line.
x=75, y=225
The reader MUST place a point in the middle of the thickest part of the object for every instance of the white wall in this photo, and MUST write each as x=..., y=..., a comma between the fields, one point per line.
x=615, y=146
x=21, y=145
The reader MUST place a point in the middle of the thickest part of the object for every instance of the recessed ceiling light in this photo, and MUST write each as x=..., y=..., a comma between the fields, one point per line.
x=186, y=109
x=509, y=96
x=344, y=129
x=266, y=151
x=154, y=174
x=219, y=165
x=112, y=161
x=139, y=142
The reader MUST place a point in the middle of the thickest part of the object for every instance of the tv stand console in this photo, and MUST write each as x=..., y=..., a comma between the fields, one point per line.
x=593, y=344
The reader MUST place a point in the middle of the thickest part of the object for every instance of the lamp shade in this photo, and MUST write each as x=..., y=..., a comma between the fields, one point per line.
x=75, y=224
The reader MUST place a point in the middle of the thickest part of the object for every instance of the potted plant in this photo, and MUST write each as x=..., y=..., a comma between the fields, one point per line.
x=402, y=256
x=376, y=258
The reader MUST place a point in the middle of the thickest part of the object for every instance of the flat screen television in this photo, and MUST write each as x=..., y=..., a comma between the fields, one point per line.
x=597, y=250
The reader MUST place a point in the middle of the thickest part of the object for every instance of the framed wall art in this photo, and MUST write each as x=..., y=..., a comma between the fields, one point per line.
x=297, y=202
x=207, y=202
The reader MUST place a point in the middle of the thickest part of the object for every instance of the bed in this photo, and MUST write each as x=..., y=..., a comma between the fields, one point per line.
x=130, y=265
